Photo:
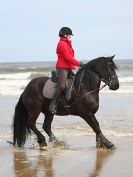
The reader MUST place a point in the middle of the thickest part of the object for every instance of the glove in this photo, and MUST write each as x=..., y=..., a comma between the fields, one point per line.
x=82, y=66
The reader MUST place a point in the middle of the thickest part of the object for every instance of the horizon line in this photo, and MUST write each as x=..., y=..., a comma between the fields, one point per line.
x=30, y=61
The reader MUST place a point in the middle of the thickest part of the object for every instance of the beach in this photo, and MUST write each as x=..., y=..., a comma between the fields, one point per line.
x=79, y=156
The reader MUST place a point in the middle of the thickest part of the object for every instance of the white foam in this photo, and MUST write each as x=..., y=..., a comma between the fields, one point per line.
x=80, y=130
x=13, y=84
x=123, y=89
x=126, y=79
x=12, y=87
x=15, y=76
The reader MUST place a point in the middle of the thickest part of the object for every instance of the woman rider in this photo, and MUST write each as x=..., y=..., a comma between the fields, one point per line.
x=65, y=63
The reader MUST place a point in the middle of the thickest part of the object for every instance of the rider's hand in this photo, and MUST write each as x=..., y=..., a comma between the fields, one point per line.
x=82, y=66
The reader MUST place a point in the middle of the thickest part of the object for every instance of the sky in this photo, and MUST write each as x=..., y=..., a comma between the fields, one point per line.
x=29, y=28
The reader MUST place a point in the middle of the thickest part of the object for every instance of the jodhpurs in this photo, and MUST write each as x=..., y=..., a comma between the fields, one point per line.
x=63, y=74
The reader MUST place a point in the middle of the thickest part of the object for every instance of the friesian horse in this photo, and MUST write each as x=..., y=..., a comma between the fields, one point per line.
x=84, y=102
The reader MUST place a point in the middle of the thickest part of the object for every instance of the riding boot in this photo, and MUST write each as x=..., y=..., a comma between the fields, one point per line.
x=54, y=102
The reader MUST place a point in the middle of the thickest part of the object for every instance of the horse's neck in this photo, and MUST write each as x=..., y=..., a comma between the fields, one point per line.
x=90, y=81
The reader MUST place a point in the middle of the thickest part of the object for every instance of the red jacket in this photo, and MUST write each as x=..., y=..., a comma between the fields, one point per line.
x=65, y=55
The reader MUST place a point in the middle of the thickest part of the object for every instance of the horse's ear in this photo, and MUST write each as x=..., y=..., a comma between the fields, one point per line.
x=112, y=57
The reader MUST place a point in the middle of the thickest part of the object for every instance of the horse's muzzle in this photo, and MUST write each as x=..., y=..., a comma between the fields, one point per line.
x=114, y=84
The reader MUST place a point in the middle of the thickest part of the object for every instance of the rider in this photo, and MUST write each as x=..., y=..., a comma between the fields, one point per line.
x=65, y=63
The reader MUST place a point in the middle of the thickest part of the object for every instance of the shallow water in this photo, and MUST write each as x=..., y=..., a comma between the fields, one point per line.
x=115, y=116
x=80, y=159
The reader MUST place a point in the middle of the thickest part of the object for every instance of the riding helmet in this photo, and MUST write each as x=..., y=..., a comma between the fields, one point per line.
x=65, y=31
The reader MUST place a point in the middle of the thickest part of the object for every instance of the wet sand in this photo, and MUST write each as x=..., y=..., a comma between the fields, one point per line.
x=79, y=158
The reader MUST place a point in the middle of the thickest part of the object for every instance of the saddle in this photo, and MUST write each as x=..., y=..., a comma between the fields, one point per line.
x=52, y=84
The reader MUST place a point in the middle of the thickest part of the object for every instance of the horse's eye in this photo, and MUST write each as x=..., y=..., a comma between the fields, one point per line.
x=110, y=65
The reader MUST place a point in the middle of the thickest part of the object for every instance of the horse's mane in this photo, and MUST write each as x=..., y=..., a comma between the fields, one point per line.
x=100, y=59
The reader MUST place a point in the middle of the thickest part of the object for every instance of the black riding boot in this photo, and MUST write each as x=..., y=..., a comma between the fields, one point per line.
x=54, y=102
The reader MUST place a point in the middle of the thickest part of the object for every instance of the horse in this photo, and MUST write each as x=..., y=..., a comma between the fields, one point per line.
x=84, y=103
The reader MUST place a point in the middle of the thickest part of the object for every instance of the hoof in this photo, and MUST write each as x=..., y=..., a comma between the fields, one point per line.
x=102, y=142
x=111, y=146
x=44, y=148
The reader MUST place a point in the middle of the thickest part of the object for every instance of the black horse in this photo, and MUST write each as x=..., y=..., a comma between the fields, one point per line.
x=83, y=103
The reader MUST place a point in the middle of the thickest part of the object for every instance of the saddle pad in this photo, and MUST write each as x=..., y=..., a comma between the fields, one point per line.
x=50, y=88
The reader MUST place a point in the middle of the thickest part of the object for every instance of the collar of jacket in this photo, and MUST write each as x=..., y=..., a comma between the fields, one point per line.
x=64, y=39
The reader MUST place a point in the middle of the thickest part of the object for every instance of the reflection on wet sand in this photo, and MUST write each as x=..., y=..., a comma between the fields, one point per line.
x=32, y=165
x=101, y=157
x=25, y=166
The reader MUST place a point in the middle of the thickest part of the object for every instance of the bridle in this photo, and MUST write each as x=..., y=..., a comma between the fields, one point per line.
x=110, y=77
x=107, y=82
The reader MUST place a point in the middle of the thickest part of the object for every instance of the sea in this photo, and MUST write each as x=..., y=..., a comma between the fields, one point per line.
x=115, y=113
x=15, y=76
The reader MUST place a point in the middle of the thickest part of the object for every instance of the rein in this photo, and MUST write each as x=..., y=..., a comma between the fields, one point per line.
x=68, y=106
x=88, y=93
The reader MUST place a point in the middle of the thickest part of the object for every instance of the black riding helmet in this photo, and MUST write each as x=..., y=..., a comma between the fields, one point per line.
x=65, y=31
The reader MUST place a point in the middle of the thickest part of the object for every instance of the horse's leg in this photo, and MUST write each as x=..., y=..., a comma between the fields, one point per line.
x=101, y=140
x=47, y=128
x=32, y=125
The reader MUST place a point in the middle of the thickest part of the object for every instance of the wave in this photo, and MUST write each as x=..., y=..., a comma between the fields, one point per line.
x=81, y=130
x=126, y=79
x=14, y=84
x=124, y=89
x=26, y=75
x=12, y=87
x=15, y=76
x=22, y=76
x=105, y=132
x=126, y=68
x=22, y=69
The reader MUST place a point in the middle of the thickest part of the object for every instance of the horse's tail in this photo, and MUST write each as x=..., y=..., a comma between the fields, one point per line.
x=20, y=121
